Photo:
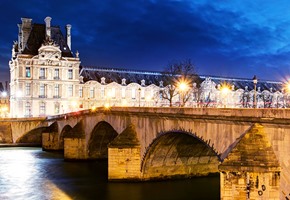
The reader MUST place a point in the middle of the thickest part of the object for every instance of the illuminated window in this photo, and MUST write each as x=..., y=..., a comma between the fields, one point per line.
x=42, y=73
x=70, y=74
x=113, y=94
x=102, y=92
x=80, y=92
x=92, y=91
x=42, y=108
x=56, y=108
x=70, y=90
x=56, y=74
x=56, y=91
x=133, y=93
x=27, y=72
x=27, y=109
x=142, y=93
x=41, y=90
x=27, y=89
x=123, y=92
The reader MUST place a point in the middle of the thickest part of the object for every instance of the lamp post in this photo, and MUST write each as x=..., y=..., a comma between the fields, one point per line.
x=255, y=81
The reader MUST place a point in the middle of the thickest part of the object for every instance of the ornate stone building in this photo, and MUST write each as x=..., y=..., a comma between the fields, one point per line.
x=47, y=79
x=44, y=73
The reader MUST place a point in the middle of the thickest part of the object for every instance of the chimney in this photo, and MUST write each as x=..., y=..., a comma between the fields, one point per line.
x=68, y=36
x=47, y=26
x=25, y=31
x=19, y=36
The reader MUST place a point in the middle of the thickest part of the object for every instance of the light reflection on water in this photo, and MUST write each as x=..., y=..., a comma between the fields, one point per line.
x=30, y=173
x=22, y=176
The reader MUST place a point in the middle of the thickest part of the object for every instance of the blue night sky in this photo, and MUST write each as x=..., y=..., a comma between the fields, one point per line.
x=231, y=38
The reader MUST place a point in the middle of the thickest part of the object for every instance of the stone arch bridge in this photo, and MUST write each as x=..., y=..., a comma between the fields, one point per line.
x=250, y=148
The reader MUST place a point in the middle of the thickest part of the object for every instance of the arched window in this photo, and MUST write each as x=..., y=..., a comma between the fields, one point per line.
x=133, y=93
x=113, y=93
x=92, y=92
x=123, y=92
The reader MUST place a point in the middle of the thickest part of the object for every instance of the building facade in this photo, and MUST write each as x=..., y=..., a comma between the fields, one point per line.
x=44, y=72
x=47, y=79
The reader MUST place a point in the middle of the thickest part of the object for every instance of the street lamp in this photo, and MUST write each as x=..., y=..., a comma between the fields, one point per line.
x=225, y=91
x=255, y=81
x=183, y=87
x=287, y=91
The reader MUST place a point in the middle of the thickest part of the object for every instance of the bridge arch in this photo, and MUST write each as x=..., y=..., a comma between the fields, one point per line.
x=32, y=136
x=102, y=134
x=64, y=132
x=178, y=154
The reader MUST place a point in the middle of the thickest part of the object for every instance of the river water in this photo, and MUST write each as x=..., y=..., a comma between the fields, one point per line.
x=32, y=174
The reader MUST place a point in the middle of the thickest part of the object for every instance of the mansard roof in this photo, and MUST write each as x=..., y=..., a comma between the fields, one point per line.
x=135, y=76
x=241, y=83
x=37, y=37
x=116, y=75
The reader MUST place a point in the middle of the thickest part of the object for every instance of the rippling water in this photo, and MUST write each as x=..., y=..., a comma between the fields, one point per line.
x=31, y=174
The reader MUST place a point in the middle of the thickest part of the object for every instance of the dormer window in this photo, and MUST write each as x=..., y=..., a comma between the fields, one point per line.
x=103, y=80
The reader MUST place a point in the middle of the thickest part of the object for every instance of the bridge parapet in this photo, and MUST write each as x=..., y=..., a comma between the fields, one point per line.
x=238, y=112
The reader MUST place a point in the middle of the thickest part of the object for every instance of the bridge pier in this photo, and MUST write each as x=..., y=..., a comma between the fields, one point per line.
x=75, y=145
x=251, y=170
x=51, y=139
x=124, y=156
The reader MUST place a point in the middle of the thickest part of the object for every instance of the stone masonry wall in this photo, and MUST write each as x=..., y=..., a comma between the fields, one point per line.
x=75, y=149
x=124, y=163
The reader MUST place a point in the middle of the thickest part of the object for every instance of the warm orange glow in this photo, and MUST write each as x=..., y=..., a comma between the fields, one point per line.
x=124, y=102
x=93, y=108
x=5, y=108
x=107, y=106
x=225, y=90
x=182, y=86
x=288, y=87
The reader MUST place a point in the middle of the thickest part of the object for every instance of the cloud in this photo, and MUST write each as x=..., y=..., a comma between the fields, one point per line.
x=230, y=37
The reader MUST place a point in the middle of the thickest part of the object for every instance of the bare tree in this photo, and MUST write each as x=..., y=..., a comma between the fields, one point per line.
x=176, y=73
